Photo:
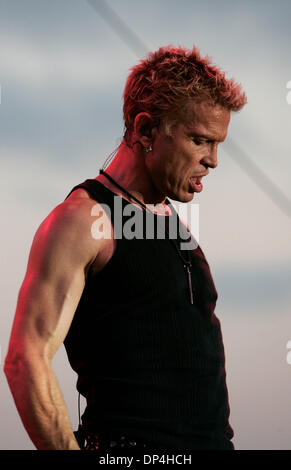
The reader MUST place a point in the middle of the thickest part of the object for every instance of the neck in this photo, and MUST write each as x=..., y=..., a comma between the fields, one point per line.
x=129, y=170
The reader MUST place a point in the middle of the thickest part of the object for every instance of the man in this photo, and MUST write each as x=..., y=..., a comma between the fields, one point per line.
x=136, y=314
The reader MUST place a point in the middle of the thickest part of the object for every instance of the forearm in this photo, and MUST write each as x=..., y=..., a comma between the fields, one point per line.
x=40, y=404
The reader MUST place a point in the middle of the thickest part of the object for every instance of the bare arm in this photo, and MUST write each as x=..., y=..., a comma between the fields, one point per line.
x=61, y=252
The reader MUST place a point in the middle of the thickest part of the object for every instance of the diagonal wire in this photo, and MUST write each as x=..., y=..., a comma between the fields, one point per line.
x=258, y=176
x=131, y=39
x=119, y=26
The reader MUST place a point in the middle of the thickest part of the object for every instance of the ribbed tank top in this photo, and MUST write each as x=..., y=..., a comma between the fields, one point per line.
x=150, y=364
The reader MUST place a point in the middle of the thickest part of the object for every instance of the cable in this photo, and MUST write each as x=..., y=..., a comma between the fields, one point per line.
x=242, y=159
x=120, y=27
x=110, y=158
x=79, y=409
x=260, y=178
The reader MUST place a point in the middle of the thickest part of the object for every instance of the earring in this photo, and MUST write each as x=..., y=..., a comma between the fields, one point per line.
x=149, y=149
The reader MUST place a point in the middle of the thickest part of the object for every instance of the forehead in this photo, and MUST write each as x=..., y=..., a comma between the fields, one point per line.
x=206, y=118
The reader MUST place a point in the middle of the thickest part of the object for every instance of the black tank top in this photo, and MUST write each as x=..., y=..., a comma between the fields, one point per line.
x=150, y=364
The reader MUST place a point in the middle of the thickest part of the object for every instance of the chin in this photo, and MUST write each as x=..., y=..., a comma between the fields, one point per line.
x=183, y=197
x=189, y=197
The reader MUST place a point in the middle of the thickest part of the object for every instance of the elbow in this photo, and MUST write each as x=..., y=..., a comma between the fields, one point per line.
x=17, y=366
x=19, y=373
x=23, y=364
x=11, y=368
x=14, y=357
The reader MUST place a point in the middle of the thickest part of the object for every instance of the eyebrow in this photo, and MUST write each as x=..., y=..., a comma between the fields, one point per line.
x=204, y=137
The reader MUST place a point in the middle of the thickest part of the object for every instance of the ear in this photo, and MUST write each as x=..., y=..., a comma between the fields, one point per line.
x=145, y=129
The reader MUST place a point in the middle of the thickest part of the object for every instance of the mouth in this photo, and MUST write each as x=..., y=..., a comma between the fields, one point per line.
x=196, y=184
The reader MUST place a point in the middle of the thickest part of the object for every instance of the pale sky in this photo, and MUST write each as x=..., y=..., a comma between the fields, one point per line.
x=62, y=74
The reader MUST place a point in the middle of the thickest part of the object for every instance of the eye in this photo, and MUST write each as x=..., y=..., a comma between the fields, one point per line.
x=197, y=141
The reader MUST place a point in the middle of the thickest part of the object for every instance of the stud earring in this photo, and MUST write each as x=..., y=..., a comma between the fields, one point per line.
x=149, y=149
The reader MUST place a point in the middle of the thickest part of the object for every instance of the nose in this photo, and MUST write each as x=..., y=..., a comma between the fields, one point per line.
x=210, y=160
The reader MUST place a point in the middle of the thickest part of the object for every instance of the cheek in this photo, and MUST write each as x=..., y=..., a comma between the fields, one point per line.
x=178, y=168
x=184, y=162
x=173, y=162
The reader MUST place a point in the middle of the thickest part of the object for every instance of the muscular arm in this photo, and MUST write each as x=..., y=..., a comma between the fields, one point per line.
x=61, y=252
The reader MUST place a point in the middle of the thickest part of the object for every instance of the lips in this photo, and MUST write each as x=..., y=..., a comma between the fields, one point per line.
x=195, y=184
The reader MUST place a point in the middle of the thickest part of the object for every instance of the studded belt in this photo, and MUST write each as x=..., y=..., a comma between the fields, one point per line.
x=103, y=443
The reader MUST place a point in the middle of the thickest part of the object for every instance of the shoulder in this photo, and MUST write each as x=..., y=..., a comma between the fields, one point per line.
x=68, y=227
x=74, y=213
x=71, y=235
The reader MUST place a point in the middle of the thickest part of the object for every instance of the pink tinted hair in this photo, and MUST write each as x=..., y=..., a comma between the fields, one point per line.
x=163, y=83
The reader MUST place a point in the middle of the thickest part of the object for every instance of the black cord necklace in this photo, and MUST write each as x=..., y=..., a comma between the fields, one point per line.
x=187, y=263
